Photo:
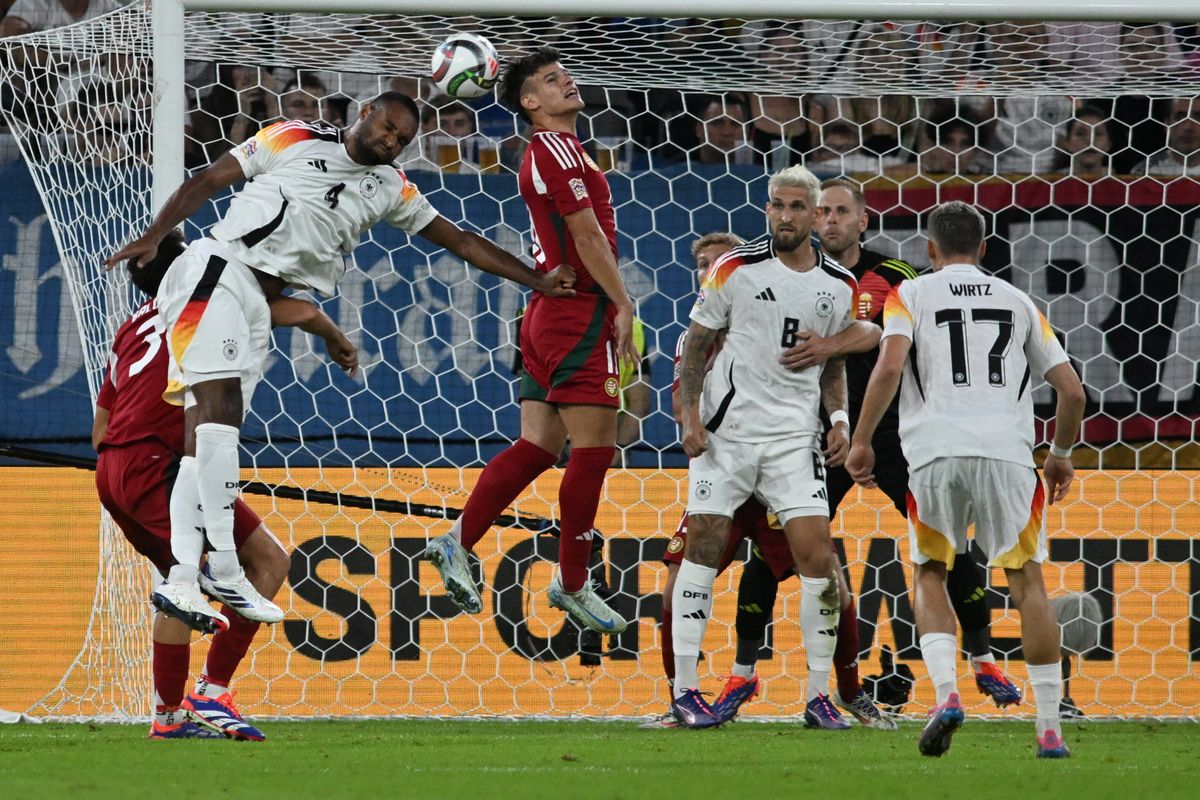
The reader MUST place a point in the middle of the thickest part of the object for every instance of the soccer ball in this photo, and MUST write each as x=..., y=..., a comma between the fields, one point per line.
x=465, y=66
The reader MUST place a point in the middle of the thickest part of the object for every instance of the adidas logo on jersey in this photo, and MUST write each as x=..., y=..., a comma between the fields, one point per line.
x=765, y=294
x=697, y=614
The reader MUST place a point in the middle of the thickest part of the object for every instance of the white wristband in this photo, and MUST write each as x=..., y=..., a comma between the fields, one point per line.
x=1059, y=452
x=839, y=416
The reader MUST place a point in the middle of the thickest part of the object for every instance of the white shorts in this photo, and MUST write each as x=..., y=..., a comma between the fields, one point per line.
x=1004, y=500
x=788, y=476
x=218, y=321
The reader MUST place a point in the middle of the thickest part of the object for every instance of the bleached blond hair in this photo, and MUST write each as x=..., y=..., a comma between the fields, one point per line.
x=796, y=177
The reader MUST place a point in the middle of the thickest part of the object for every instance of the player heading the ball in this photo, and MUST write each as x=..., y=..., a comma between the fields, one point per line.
x=315, y=190
x=571, y=348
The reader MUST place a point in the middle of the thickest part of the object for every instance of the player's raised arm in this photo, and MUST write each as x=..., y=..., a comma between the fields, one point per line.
x=485, y=255
x=184, y=202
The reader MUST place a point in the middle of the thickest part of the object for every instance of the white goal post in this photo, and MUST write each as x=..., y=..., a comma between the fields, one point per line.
x=359, y=472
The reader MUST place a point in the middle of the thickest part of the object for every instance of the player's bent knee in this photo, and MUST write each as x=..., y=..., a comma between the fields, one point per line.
x=268, y=560
x=707, y=534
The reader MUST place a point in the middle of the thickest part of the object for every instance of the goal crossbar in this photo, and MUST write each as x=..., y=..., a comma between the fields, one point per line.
x=983, y=10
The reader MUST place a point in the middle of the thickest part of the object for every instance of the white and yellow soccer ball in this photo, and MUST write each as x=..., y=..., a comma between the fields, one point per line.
x=465, y=66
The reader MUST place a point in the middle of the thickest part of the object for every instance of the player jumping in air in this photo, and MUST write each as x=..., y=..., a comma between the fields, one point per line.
x=967, y=345
x=140, y=439
x=571, y=348
x=314, y=191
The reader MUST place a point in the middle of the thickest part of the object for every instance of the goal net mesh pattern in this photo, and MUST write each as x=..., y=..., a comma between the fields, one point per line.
x=1076, y=141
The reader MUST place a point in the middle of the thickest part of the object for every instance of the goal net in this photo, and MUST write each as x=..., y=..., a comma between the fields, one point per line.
x=1078, y=141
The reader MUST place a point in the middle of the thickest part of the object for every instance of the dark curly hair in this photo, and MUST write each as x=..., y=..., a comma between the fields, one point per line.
x=148, y=276
x=521, y=70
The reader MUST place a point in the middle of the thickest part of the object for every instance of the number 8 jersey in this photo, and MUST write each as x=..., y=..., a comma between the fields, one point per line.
x=763, y=305
x=978, y=344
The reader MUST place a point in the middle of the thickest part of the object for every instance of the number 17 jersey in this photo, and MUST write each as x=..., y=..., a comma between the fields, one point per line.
x=978, y=345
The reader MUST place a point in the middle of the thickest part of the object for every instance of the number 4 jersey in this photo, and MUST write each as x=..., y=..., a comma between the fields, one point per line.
x=306, y=203
x=763, y=305
x=977, y=344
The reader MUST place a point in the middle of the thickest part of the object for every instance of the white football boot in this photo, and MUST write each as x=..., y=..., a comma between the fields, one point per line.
x=184, y=602
x=586, y=607
x=449, y=556
x=240, y=595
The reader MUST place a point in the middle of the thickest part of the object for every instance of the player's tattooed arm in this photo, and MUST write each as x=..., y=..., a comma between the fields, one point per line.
x=833, y=398
x=693, y=364
x=833, y=385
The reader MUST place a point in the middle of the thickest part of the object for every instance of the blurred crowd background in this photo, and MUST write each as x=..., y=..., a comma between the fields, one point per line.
x=980, y=124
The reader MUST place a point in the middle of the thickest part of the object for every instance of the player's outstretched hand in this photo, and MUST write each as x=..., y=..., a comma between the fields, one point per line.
x=559, y=282
x=861, y=464
x=623, y=323
x=343, y=352
x=837, y=445
x=811, y=349
x=1059, y=473
x=143, y=248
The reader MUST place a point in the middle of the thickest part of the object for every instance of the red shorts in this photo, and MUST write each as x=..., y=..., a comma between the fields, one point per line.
x=134, y=483
x=749, y=522
x=569, y=351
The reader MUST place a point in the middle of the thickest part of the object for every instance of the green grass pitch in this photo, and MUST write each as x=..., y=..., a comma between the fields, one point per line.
x=575, y=760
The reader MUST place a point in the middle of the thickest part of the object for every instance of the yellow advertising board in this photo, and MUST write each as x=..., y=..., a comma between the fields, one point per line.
x=369, y=632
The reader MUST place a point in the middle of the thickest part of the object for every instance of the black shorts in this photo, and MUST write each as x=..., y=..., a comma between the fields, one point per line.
x=891, y=473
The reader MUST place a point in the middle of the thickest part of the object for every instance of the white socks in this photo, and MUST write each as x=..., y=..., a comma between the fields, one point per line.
x=940, y=651
x=217, y=480
x=187, y=525
x=977, y=661
x=747, y=671
x=691, y=606
x=1046, y=680
x=819, y=613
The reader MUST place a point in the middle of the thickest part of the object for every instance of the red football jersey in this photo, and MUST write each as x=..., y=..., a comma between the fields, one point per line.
x=133, y=388
x=558, y=178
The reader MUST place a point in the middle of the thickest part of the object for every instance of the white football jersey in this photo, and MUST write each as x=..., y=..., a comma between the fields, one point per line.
x=977, y=345
x=306, y=203
x=762, y=304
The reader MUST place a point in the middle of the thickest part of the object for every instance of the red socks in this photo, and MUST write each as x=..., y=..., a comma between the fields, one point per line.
x=845, y=657
x=229, y=647
x=577, y=501
x=170, y=667
x=668, y=647
x=505, y=477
